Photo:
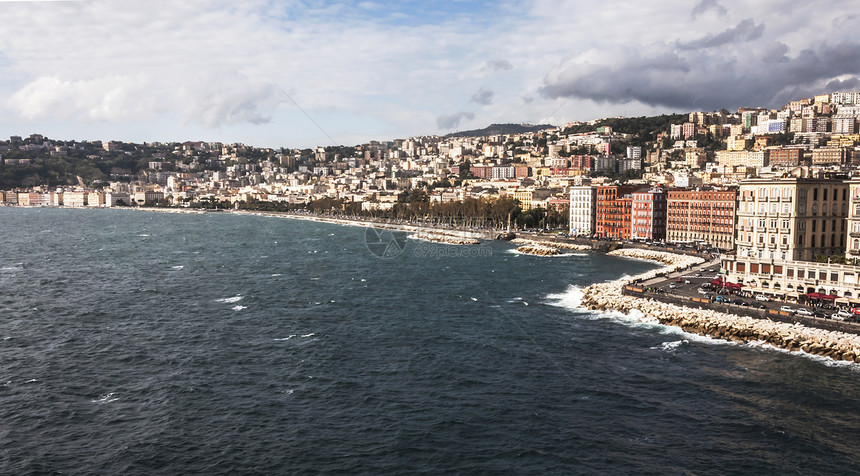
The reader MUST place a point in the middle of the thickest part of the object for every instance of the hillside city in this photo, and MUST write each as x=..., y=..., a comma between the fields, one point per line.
x=771, y=189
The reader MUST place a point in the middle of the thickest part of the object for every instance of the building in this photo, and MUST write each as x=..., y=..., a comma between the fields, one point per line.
x=749, y=158
x=844, y=124
x=583, y=202
x=782, y=157
x=702, y=216
x=612, y=211
x=792, y=218
x=648, y=215
x=828, y=156
x=783, y=226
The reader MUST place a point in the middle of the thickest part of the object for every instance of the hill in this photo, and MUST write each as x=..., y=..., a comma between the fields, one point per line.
x=494, y=129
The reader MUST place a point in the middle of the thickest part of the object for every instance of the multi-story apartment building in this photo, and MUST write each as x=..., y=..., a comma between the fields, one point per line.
x=784, y=225
x=747, y=158
x=828, y=156
x=583, y=202
x=703, y=216
x=782, y=157
x=612, y=219
x=844, y=124
x=648, y=214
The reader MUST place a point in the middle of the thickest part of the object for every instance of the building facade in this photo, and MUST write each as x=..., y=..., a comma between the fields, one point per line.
x=583, y=202
x=612, y=212
x=703, y=216
x=648, y=215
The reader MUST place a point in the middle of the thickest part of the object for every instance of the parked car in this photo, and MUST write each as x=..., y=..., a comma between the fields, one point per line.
x=841, y=315
x=711, y=270
x=758, y=305
x=721, y=299
x=672, y=285
x=803, y=312
x=702, y=291
x=686, y=281
x=787, y=309
x=740, y=302
x=819, y=313
x=761, y=297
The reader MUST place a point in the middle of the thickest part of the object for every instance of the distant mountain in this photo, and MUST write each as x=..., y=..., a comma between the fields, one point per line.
x=494, y=129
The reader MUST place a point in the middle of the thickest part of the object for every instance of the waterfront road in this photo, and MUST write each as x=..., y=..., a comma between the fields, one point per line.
x=689, y=283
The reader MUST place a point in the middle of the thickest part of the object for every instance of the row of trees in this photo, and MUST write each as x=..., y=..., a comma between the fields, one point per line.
x=494, y=213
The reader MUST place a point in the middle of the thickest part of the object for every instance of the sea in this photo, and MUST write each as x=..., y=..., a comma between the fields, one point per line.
x=136, y=342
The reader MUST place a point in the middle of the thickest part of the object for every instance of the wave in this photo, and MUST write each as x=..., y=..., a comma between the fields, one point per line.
x=670, y=347
x=111, y=397
x=178, y=267
x=239, y=308
x=230, y=300
x=286, y=338
x=14, y=267
x=276, y=275
x=308, y=335
x=570, y=299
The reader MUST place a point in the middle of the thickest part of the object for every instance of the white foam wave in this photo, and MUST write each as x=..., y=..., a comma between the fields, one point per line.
x=14, y=267
x=308, y=335
x=670, y=346
x=286, y=338
x=571, y=299
x=516, y=299
x=111, y=397
x=276, y=275
x=230, y=300
x=178, y=267
x=143, y=234
x=239, y=308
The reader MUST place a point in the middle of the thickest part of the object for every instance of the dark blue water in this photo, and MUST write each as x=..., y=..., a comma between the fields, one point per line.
x=147, y=343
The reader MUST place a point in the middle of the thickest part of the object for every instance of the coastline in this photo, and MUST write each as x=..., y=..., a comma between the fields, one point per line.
x=839, y=346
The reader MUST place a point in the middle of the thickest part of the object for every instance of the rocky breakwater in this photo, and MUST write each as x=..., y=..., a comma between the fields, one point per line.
x=546, y=248
x=448, y=239
x=539, y=250
x=794, y=337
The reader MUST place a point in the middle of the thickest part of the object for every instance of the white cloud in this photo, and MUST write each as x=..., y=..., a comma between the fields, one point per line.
x=365, y=71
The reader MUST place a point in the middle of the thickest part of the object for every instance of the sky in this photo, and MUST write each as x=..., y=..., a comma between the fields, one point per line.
x=305, y=73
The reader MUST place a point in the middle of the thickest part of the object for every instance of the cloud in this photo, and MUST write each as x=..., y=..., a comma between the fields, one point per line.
x=452, y=121
x=744, y=31
x=203, y=99
x=702, y=79
x=707, y=5
x=847, y=84
x=498, y=65
x=483, y=97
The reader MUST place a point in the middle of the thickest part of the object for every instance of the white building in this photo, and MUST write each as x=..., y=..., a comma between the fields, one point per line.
x=582, y=210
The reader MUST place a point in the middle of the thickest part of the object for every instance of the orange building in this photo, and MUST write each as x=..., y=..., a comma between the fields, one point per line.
x=613, y=217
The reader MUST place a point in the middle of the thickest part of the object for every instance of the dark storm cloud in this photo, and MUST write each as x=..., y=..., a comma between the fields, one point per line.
x=483, y=97
x=706, y=5
x=452, y=121
x=849, y=84
x=746, y=30
x=706, y=79
x=498, y=65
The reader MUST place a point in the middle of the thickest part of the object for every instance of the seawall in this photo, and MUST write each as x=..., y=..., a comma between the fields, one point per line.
x=790, y=336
